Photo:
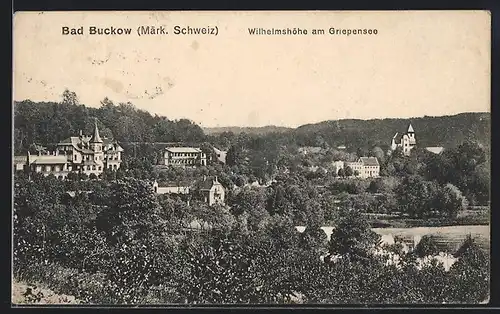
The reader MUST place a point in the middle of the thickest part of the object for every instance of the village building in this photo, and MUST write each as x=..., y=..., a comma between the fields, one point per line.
x=364, y=167
x=208, y=190
x=212, y=191
x=172, y=187
x=78, y=154
x=221, y=155
x=184, y=157
x=407, y=141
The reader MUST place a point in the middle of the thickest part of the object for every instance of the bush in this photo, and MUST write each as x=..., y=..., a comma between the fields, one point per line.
x=426, y=247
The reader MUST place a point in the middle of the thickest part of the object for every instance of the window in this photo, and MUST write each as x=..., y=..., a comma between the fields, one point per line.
x=100, y=168
x=88, y=167
x=93, y=167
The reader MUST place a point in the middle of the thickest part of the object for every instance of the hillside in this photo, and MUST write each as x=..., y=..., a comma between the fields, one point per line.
x=447, y=131
x=248, y=130
x=45, y=123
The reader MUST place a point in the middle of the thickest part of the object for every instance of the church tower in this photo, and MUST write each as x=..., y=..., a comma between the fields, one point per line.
x=96, y=141
x=411, y=133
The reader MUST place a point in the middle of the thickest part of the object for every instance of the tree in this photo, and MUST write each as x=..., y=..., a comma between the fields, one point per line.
x=416, y=197
x=451, y=201
x=341, y=173
x=356, y=173
x=251, y=201
x=427, y=246
x=313, y=239
x=470, y=274
x=131, y=211
x=348, y=171
x=379, y=154
x=69, y=98
x=353, y=236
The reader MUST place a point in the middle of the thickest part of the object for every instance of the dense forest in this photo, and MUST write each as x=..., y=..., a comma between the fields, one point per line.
x=249, y=130
x=49, y=122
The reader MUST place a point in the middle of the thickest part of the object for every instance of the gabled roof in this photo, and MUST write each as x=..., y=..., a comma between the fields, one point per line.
x=435, y=150
x=75, y=141
x=369, y=161
x=218, y=151
x=183, y=149
x=410, y=129
x=50, y=159
x=208, y=182
x=181, y=184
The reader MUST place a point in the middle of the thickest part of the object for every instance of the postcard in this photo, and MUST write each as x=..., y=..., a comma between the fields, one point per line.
x=193, y=158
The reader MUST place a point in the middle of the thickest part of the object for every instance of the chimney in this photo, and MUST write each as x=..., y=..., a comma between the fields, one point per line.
x=81, y=133
x=204, y=178
x=216, y=179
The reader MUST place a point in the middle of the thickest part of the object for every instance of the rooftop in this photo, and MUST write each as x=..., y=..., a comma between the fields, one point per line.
x=174, y=183
x=49, y=159
x=435, y=149
x=208, y=182
x=369, y=161
x=75, y=141
x=183, y=149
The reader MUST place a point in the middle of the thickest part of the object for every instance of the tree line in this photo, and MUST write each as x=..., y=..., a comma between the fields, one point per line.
x=122, y=244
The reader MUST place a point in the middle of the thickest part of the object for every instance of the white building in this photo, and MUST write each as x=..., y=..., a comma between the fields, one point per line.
x=406, y=142
x=184, y=157
x=81, y=154
x=365, y=167
x=221, y=155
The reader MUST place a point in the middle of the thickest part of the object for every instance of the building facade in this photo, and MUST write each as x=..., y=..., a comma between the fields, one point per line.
x=208, y=190
x=184, y=157
x=406, y=142
x=212, y=191
x=221, y=155
x=79, y=154
x=171, y=187
x=365, y=167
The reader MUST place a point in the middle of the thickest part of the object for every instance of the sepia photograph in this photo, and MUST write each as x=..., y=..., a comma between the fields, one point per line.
x=196, y=158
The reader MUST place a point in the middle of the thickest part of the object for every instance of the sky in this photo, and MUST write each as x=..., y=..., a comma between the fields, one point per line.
x=419, y=63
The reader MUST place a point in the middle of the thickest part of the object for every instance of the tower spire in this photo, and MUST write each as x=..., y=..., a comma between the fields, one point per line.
x=410, y=129
x=96, y=138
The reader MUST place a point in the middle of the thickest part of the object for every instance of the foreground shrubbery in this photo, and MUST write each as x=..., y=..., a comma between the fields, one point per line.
x=122, y=246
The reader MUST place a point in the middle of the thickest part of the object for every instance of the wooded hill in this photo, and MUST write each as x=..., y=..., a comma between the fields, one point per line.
x=45, y=123
x=446, y=131
x=249, y=130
